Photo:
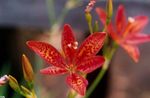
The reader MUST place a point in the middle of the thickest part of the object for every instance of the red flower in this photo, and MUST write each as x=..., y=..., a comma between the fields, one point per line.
x=127, y=33
x=76, y=61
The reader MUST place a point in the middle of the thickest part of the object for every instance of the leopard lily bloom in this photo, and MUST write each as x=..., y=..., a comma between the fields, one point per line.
x=127, y=33
x=74, y=61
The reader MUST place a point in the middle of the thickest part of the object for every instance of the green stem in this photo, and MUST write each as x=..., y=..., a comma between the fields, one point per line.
x=88, y=17
x=56, y=26
x=103, y=70
x=108, y=53
x=90, y=27
x=97, y=80
x=66, y=9
x=60, y=19
x=62, y=16
x=51, y=11
x=71, y=94
x=34, y=94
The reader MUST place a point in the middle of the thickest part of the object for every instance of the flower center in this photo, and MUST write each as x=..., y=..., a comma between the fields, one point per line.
x=71, y=68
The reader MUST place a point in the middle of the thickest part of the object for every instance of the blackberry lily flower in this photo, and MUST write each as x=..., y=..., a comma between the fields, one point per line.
x=74, y=61
x=127, y=33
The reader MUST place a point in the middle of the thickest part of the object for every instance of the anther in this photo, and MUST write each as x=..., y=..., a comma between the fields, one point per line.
x=131, y=19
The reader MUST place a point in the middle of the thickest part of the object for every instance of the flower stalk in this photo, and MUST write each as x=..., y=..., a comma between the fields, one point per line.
x=28, y=73
x=104, y=69
x=88, y=17
x=106, y=49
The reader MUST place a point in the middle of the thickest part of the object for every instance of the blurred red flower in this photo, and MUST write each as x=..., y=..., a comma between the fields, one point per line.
x=126, y=33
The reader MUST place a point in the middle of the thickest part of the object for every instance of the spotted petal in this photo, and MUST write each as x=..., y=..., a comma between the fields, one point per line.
x=47, y=52
x=52, y=70
x=89, y=64
x=78, y=83
x=91, y=45
x=69, y=43
x=133, y=51
x=120, y=19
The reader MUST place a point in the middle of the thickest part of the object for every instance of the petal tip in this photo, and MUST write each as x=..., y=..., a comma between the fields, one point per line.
x=23, y=55
x=66, y=26
x=102, y=34
x=43, y=71
x=136, y=60
x=121, y=6
x=29, y=43
x=78, y=83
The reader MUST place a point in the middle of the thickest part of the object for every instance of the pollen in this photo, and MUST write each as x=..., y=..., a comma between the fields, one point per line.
x=69, y=45
x=73, y=45
x=131, y=19
x=79, y=82
x=76, y=43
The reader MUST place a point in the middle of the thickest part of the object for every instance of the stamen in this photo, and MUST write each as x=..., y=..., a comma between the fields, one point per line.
x=131, y=19
x=69, y=45
x=76, y=43
x=75, y=47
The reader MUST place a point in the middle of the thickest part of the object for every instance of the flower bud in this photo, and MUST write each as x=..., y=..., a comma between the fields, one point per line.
x=109, y=8
x=27, y=69
x=25, y=91
x=14, y=84
x=88, y=17
x=4, y=80
x=96, y=26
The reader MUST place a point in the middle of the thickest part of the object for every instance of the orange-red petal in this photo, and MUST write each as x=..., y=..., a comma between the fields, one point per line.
x=139, y=23
x=133, y=51
x=69, y=44
x=113, y=33
x=91, y=45
x=47, y=52
x=52, y=70
x=120, y=19
x=102, y=15
x=89, y=64
x=138, y=38
x=78, y=83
